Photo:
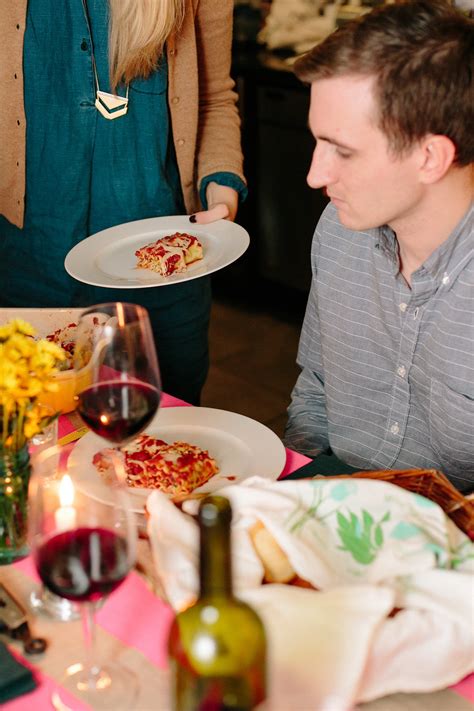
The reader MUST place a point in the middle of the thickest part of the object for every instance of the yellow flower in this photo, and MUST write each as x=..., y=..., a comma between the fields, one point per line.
x=27, y=369
x=16, y=325
x=8, y=374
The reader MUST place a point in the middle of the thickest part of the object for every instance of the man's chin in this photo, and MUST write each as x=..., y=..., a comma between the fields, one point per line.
x=348, y=220
x=353, y=222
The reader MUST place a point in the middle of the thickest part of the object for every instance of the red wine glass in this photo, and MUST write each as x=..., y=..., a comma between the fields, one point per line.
x=117, y=375
x=83, y=548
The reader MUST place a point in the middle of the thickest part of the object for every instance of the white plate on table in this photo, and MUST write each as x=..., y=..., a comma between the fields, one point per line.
x=241, y=447
x=108, y=259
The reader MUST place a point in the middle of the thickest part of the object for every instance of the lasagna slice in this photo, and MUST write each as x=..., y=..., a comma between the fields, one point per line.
x=176, y=469
x=170, y=255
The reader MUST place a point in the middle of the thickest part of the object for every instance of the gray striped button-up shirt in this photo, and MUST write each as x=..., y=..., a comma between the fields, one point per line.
x=387, y=377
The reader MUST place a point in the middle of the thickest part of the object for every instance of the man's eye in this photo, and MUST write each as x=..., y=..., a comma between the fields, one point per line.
x=343, y=154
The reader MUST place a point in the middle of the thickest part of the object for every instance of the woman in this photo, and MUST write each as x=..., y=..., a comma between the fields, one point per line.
x=67, y=170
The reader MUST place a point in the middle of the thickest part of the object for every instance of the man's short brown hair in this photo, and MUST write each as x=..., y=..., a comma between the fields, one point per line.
x=420, y=53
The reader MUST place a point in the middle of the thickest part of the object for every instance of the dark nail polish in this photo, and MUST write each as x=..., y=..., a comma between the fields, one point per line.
x=192, y=218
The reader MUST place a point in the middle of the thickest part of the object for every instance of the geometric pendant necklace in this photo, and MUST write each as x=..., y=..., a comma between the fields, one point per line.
x=111, y=106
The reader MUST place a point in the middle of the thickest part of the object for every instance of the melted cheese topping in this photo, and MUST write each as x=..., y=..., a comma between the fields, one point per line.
x=170, y=255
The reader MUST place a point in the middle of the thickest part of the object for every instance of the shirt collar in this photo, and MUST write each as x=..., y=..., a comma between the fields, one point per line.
x=451, y=256
x=447, y=261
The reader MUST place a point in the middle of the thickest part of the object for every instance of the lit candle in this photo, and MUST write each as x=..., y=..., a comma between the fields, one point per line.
x=65, y=515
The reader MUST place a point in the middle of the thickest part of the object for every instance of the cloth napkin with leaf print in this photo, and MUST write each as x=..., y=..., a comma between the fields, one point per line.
x=393, y=604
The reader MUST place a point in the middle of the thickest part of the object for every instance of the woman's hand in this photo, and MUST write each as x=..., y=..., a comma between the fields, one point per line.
x=222, y=203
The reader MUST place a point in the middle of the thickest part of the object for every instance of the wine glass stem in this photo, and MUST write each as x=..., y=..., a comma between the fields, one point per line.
x=88, y=625
x=119, y=465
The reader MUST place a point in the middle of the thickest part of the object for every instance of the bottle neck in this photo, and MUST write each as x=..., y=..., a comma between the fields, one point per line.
x=215, y=560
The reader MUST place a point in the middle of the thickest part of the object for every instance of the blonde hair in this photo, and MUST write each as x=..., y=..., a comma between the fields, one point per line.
x=137, y=35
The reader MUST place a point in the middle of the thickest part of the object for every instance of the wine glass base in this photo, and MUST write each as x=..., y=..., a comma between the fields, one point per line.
x=110, y=687
x=45, y=602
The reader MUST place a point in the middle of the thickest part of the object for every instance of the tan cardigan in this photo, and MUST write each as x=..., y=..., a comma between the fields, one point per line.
x=204, y=116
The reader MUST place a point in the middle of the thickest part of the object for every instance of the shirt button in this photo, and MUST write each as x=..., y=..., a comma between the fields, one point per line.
x=445, y=279
x=175, y=100
x=84, y=45
x=402, y=307
x=402, y=371
x=181, y=142
x=395, y=429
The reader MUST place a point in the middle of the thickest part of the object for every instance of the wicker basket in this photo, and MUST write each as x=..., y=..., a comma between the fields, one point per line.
x=429, y=483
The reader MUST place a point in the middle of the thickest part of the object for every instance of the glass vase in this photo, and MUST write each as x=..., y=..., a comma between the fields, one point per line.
x=14, y=478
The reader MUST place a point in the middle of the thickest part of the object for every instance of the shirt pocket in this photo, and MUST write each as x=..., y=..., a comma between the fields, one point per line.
x=451, y=422
x=156, y=83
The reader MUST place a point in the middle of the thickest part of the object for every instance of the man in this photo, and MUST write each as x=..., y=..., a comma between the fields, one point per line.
x=387, y=346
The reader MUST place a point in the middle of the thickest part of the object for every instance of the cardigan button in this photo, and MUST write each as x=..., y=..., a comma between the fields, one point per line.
x=175, y=100
x=181, y=142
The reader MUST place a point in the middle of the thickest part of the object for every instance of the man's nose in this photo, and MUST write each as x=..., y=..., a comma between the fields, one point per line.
x=320, y=172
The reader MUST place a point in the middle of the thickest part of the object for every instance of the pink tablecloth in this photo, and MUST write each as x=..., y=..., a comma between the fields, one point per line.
x=147, y=629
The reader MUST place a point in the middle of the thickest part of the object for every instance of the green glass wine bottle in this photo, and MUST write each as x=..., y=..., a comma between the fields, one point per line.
x=217, y=647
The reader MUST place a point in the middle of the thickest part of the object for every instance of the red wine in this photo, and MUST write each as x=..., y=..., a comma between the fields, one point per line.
x=84, y=564
x=118, y=410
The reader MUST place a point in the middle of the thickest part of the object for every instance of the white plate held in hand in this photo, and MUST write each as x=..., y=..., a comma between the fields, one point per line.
x=108, y=258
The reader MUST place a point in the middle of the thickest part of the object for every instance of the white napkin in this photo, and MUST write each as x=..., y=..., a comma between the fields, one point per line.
x=370, y=546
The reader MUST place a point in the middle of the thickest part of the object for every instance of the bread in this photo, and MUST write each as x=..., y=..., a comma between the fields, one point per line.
x=276, y=565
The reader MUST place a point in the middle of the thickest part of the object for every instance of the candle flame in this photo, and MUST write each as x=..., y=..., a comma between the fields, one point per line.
x=120, y=314
x=66, y=491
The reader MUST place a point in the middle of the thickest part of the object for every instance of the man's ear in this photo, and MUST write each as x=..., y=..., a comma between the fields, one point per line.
x=438, y=153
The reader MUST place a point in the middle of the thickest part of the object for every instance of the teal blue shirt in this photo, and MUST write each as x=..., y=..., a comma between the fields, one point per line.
x=84, y=173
